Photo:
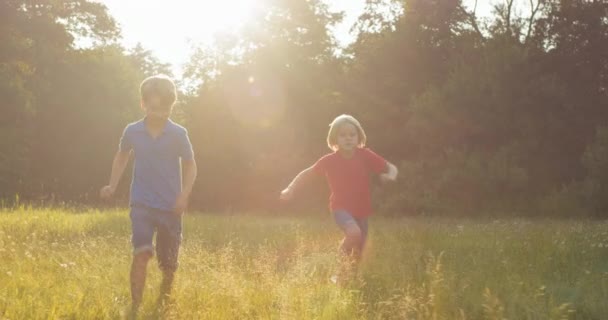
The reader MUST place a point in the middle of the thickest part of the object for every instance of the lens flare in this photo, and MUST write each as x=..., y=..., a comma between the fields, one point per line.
x=256, y=100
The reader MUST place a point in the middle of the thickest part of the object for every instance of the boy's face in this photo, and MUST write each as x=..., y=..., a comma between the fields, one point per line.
x=348, y=137
x=156, y=108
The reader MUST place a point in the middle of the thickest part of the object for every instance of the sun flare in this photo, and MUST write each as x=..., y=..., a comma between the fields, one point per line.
x=170, y=28
x=203, y=19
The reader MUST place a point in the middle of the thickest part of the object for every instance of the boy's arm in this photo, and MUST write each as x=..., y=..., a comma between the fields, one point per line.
x=390, y=174
x=189, y=171
x=302, y=177
x=118, y=167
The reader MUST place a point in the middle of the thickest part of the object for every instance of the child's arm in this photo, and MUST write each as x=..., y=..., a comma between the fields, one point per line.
x=302, y=177
x=118, y=167
x=189, y=171
x=391, y=174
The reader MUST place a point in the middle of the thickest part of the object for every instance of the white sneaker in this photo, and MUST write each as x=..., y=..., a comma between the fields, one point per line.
x=334, y=279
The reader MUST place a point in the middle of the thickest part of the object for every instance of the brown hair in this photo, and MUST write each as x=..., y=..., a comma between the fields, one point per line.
x=158, y=92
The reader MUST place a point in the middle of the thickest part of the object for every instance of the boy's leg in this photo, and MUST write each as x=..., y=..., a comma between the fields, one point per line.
x=168, y=241
x=142, y=225
x=138, y=277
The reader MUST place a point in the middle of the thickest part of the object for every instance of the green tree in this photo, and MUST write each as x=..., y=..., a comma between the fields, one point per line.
x=264, y=101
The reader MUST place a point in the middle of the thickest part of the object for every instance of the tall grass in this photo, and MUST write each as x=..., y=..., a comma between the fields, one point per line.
x=63, y=264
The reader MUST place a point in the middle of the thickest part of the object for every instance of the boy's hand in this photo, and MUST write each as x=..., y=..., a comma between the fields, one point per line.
x=286, y=194
x=181, y=203
x=106, y=192
x=385, y=177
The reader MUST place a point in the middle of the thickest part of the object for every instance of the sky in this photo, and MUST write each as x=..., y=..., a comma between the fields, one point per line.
x=170, y=28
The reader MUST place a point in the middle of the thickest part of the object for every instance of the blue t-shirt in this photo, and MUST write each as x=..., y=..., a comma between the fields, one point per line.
x=157, y=179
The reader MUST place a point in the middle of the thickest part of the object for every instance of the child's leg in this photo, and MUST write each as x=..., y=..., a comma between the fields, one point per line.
x=353, y=235
x=138, y=277
x=363, y=226
x=168, y=242
x=351, y=244
x=142, y=226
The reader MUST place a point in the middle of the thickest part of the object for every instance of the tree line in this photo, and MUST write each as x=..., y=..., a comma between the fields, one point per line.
x=500, y=114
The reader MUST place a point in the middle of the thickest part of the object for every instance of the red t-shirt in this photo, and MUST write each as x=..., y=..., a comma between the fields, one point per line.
x=349, y=179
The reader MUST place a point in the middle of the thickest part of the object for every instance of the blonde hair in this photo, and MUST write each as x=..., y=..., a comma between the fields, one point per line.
x=332, y=140
x=161, y=87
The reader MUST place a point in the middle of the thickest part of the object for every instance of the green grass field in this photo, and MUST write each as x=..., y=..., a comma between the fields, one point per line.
x=62, y=264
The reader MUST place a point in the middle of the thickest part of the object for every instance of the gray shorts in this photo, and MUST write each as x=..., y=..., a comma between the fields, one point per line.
x=343, y=219
x=145, y=222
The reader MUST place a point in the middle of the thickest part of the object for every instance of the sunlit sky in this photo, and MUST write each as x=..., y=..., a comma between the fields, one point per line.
x=170, y=28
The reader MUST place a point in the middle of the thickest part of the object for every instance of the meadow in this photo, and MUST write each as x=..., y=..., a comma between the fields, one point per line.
x=70, y=264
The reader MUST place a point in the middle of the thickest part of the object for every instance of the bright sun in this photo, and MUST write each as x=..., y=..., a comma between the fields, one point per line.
x=202, y=19
x=167, y=26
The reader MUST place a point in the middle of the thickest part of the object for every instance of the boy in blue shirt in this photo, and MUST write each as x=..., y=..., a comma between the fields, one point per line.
x=159, y=196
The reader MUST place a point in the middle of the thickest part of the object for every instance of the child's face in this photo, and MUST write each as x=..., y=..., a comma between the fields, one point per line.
x=155, y=108
x=348, y=137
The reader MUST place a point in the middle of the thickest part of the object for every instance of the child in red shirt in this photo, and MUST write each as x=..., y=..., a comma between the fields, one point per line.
x=348, y=171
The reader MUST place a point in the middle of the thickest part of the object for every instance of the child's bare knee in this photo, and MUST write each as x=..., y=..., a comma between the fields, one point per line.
x=142, y=258
x=353, y=234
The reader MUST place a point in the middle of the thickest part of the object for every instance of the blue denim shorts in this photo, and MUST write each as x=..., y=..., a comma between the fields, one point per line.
x=145, y=222
x=343, y=219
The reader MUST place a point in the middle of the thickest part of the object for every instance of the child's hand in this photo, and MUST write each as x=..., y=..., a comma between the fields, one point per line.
x=180, y=204
x=385, y=177
x=286, y=194
x=106, y=192
x=391, y=174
